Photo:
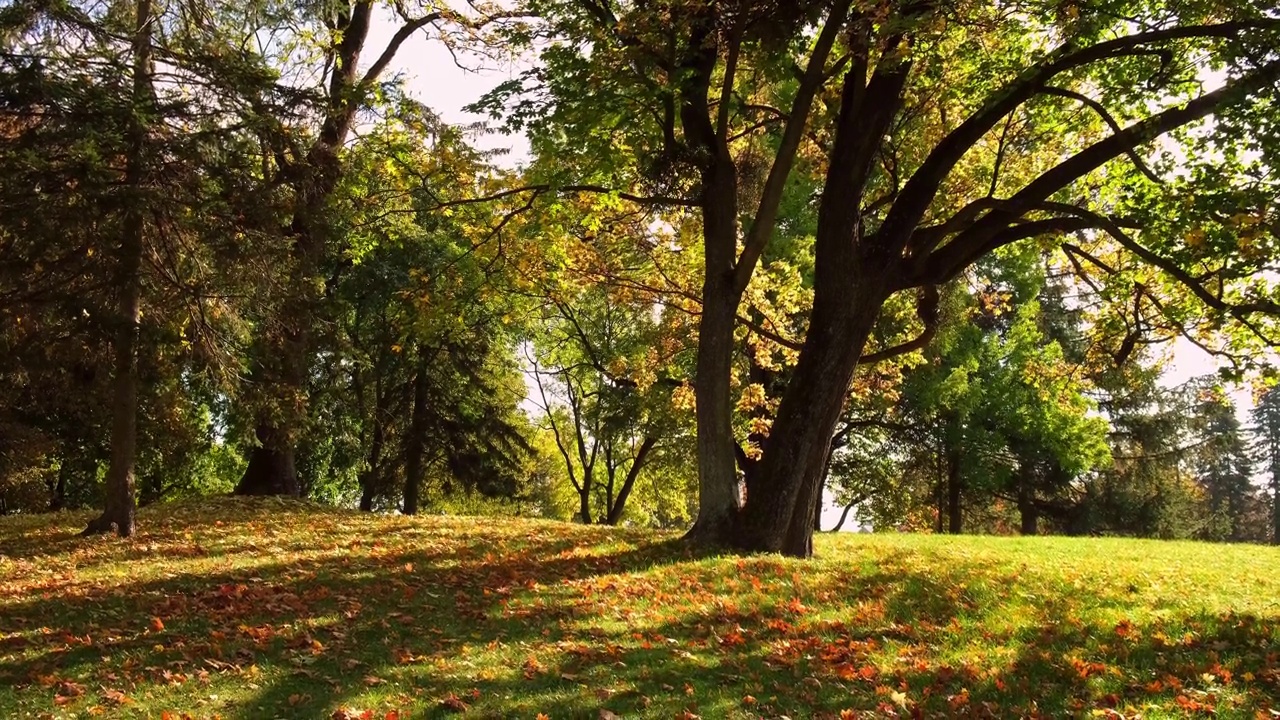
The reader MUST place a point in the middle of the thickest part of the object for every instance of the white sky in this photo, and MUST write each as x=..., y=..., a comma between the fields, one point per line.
x=434, y=79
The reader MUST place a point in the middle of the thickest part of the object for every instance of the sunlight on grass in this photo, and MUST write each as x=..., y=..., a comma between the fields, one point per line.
x=270, y=608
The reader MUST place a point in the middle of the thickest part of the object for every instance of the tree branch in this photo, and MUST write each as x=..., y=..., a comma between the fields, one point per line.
x=1110, y=121
x=924, y=184
x=927, y=311
x=766, y=216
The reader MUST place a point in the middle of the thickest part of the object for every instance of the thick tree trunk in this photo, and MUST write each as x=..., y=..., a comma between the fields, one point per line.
x=718, y=496
x=955, y=512
x=283, y=357
x=416, y=442
x=119, y=510
x=620, y=503
x=584, y=503
x=779, y=513
x=272, y=469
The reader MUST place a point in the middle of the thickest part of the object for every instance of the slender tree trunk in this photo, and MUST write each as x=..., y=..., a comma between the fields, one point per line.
x=58, y=493
x=1027, y=510
x=844, y=515
x=955, y=514
x=620, y=504
x=119, y=510
x=372, y=471
x=718, y=496
x=415, y=443
x=1275, y=511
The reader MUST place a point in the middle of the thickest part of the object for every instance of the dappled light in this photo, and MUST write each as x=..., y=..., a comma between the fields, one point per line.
x=252, y=608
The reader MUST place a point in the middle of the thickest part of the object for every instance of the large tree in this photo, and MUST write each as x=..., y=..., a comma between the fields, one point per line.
x=936, y=133
x=328, y=42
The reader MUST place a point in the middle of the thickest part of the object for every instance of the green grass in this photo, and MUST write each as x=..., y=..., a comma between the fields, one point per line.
x=260, y=609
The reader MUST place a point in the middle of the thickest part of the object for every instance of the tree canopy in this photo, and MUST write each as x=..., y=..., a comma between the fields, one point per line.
x=920, y=260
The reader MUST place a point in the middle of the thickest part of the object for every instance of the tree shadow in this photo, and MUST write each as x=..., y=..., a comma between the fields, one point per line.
x=295, y=615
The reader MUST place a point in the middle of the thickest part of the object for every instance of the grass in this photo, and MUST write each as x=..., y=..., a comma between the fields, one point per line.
x=268, y=608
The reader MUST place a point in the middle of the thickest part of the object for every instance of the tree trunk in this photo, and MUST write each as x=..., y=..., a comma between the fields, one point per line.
x=1029, y=513
x=955, y=514
x=118, y=513
x=58, y=492
x=844, y=515
x=718, y=496
x=272, y=469
x=283, y=357
x=1275, y=511
x=584, y=501
x=372, y=472
x=620, y=504
x=415, y=443
x=779, y=513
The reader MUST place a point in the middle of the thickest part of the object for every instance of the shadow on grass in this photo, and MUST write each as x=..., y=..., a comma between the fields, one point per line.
x=519, y=618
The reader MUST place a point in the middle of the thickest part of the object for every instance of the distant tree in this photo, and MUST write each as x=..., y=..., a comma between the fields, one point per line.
x=1266, y=431
x=606, y=426
x=1221, y=464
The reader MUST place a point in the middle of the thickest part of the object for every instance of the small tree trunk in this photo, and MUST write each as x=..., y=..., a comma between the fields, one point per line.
x=372, y=472
x=58, y=493
x=620, y=504
x=955, y=513
x=416, y=442
x=940, y=507
x=1027, y=501
x=119, y=510
x=1275, y=511
x=844, y=515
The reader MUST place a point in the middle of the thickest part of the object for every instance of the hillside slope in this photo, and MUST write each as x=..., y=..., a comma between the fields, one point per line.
x=268, y=608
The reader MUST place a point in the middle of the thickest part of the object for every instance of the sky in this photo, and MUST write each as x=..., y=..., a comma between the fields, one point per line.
x=446, y=84
x=433, y=78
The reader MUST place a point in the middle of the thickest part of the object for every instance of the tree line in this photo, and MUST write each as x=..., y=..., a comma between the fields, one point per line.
x=925, y=258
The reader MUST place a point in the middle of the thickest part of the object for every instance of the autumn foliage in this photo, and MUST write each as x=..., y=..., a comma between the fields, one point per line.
x=253, y=608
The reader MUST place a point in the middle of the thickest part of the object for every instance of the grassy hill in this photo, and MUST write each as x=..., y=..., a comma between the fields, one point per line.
x=268, y=608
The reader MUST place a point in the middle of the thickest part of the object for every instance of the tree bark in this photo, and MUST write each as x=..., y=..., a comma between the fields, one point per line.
x=779, y=514
x=718, y=496
x=118, y=513
x=415, y=443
